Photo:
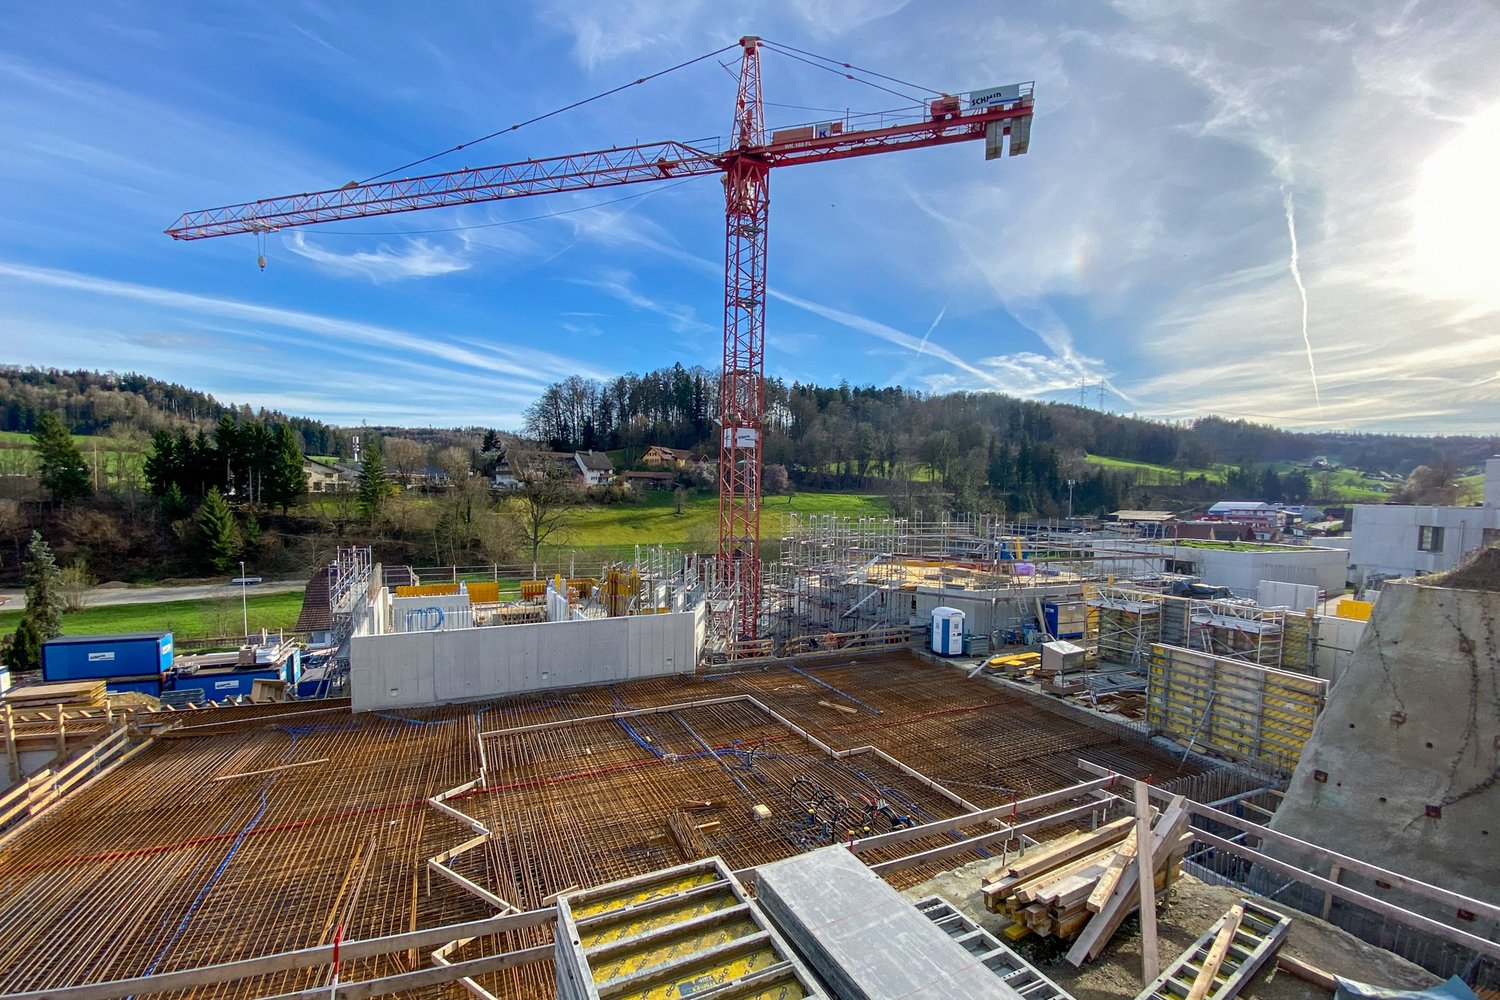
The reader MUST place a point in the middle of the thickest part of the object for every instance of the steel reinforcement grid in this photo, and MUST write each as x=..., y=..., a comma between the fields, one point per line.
x=261, y=831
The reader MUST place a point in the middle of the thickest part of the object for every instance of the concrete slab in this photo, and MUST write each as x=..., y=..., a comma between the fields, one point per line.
x=861, y=937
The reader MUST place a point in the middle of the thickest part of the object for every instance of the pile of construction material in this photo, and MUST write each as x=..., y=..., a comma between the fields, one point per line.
x=68, y=694
x=1081, y=886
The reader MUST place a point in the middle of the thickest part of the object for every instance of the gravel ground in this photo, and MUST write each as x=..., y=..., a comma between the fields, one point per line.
x=1188, y=910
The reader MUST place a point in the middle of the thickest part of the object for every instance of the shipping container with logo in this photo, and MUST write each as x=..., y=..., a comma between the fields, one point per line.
x=138, y=656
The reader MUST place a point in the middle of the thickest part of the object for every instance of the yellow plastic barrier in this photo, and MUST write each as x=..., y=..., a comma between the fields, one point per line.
x=427, y=590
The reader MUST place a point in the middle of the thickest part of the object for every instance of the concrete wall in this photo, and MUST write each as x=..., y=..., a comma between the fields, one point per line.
x=985, y=611
x=1338, y=638
x=1383, y=538
x=1243, y=570
x=1413, y=723
x=427, y=668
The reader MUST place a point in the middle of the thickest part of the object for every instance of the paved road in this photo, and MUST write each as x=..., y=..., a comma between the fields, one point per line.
x=101, y=596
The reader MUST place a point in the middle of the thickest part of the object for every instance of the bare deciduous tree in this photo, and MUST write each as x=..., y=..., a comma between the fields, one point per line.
x=404, y=457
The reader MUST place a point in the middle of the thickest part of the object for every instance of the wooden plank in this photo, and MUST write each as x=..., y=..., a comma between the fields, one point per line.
x=1163, y=841
x=1062, y=850
x=1112, y=873
x=1146, y=876
x=1307, y=972
x=1204, y=981
x=1322, y=854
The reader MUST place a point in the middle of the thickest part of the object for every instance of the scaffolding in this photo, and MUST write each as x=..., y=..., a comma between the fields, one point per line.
x=846, y=575
x=1128, y=623
x=1238, y=630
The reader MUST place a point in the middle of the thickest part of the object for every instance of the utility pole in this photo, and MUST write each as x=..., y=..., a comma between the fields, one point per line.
x=244, y=601
x=1071, y=483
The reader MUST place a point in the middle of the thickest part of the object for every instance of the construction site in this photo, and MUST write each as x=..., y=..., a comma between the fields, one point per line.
x=933, y=756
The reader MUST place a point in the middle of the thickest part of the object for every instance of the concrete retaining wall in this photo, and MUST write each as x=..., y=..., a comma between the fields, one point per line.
x=1403, y=767
x=427, y=668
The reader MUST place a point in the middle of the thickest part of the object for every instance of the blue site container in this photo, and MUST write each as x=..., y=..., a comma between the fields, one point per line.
x=217, y=685
x=101, y=657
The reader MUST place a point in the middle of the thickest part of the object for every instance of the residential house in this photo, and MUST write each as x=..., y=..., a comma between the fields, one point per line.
x=1267, y=520
x=325, y=478
x=516, y=467
x=658, y=457
x=595, y=466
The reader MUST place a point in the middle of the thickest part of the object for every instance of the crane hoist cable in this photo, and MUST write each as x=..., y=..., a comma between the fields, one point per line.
x=549, y=114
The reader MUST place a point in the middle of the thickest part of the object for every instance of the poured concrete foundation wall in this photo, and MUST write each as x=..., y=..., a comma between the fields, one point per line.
x=1403, y=767
x=428, y=668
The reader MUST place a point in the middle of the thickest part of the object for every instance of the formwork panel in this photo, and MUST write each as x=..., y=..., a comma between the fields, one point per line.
x=1250, y=713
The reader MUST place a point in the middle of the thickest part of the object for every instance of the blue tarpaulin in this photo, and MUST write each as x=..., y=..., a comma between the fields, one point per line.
x=1453, y=989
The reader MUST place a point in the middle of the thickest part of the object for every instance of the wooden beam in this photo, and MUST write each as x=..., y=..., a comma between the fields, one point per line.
x=1460, y=937
x=1307, y=972
x=1204, y=981
x=1146, y=876
x=1349, y=864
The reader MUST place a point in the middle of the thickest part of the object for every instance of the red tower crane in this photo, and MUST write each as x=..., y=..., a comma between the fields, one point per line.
x=745, y=165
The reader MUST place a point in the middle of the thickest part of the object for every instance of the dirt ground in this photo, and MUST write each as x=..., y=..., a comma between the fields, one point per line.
x=1187, y=910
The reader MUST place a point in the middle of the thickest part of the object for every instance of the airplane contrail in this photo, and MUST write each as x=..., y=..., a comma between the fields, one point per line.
x=1291, y=228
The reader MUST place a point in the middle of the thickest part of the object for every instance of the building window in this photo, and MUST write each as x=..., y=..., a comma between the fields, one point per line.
x=1429, y=539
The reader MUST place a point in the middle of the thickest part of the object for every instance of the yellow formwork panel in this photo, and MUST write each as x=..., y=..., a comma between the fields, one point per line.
x=427, y=590
x=697, y=978
x=483, y=592
x=635, y=896
x=1236, y=708
x=666, y=947
x=691, y=907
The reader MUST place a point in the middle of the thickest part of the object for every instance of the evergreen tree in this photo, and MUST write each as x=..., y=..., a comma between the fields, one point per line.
x=216, y=525
x=286, y=479
x=163, y=468
x=491, y=441
x=25, y=647
x=60, y=464
x=44, y=598
x=374, y=486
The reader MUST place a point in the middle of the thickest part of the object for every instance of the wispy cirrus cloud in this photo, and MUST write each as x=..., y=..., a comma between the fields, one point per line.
x=416, y=259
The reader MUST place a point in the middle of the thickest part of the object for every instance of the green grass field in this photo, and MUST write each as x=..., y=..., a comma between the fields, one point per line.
x=1154, y=474
x=185, y=619
x=653, y=522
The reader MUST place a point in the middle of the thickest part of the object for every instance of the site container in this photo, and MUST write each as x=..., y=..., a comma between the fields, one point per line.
x=96, y=657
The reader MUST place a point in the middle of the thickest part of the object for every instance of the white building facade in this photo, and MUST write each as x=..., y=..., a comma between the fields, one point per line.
x=1396, y=540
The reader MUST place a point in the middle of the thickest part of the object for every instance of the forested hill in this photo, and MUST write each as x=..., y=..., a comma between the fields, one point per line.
x=866, y=430
x=110, y=403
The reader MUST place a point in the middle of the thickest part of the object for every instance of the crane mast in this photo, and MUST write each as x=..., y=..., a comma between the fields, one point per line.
x=744, y=165
x=742, y=387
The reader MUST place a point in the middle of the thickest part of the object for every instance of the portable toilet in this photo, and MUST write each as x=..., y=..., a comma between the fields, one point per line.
x=947, y=631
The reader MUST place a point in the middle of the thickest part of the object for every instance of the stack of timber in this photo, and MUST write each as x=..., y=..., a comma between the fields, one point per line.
x=1065, y=888
x=68, y=694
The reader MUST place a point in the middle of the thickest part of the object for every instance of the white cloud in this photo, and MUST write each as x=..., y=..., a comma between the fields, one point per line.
x=417, y=259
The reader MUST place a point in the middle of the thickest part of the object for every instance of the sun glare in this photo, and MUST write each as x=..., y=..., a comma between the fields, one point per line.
x=1457, y=208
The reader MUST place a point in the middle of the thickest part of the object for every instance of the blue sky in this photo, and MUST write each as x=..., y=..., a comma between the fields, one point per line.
x=1199, y=174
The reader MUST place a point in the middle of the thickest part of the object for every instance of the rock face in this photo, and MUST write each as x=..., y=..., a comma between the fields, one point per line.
x=1403, y=767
